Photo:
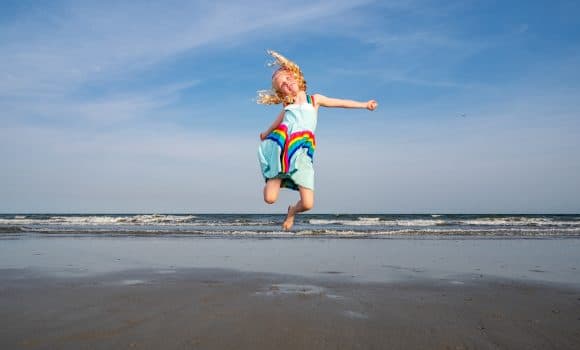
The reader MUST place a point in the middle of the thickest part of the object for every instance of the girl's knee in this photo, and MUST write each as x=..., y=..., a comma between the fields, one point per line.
x=307, y=204
x=270, y=198
x=271, y=190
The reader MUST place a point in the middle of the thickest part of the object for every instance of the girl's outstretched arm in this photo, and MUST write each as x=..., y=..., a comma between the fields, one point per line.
x=324, y=101
x=274, y=125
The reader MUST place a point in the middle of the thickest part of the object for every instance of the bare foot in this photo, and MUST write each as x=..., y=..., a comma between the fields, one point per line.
x=289, y=221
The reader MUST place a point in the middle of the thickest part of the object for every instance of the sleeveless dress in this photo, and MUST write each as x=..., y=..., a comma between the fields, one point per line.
x=287, y=153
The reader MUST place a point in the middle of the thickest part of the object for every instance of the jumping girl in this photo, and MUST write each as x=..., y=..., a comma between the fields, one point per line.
x=288, y=145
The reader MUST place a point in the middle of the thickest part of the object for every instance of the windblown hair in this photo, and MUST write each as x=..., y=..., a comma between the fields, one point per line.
x=273, y=96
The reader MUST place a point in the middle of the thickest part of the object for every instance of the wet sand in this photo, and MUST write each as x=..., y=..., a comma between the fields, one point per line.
x=229, y=309
x=112, y=292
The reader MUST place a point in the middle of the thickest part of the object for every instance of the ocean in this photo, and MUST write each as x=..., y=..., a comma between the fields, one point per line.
x=306, y=225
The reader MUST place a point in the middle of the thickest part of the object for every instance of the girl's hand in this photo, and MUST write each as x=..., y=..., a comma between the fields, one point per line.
x=372, y=105
x=263, y=136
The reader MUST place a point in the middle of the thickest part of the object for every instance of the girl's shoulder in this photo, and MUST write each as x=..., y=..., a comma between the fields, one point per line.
x=311, y=100
x=316, y=98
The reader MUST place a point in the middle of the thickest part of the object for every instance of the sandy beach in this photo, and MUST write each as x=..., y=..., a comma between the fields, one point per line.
x=166, y=304
x=224, y=309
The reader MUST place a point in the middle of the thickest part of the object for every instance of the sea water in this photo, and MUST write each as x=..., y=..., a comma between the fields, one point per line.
x=306, y=225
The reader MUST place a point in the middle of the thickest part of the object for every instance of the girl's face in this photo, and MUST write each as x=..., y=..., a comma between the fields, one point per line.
x=285, y=83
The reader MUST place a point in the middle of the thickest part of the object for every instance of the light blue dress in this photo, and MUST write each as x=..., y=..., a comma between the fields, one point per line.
x=287, y=153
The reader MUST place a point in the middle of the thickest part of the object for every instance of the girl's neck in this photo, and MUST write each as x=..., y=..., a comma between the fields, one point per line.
x=300, y=97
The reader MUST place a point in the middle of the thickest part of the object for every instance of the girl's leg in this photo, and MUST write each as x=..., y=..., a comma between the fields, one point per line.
x=305, y=203
x=271, y=190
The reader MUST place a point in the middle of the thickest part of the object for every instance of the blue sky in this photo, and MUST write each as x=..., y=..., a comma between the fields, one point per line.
x=149, y=107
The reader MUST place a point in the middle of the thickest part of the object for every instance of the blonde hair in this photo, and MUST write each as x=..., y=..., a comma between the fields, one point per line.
x=273, y=96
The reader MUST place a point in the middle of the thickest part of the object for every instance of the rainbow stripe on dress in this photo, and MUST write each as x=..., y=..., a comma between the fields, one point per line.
x=290, y=144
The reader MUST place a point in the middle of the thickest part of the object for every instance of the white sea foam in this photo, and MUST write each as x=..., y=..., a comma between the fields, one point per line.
x=131, y=220
x=192, y=220
x=503, y=221
x=368, y=219
x=345, y=233
x=540, y=232
x=377, y=222
x=255, y=233
x=101, y=220
x=418, y=222
x=518, y=221
x=269, y=225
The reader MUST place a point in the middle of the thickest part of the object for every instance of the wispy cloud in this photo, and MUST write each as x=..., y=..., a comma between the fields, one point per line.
x=130, y=105
x=111, y=109
x=50, y=54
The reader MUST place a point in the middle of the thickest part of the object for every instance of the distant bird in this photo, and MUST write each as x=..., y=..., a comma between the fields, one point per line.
x=463, y=115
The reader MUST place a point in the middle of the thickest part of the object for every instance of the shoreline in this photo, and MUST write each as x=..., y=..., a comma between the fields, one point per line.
x=363, y=260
